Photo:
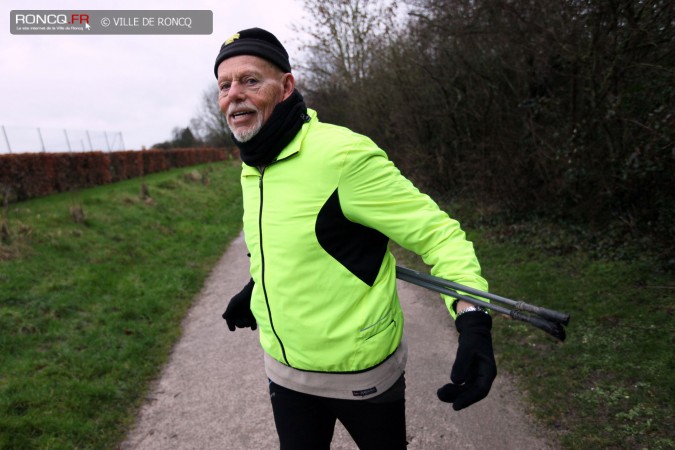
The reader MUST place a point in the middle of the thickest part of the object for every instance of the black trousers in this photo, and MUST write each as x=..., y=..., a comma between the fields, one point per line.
x=307, y=422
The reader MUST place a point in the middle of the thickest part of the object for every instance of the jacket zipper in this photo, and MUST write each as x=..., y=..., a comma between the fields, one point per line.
x=262, y=259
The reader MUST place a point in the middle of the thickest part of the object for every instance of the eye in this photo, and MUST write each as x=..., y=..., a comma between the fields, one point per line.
x=250, y=81
x=224, y=87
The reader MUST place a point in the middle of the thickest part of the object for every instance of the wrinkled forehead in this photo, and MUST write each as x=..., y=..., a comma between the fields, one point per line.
x=236, y=66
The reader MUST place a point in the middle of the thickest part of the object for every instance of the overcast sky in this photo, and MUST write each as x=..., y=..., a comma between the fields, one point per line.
x=142, y=86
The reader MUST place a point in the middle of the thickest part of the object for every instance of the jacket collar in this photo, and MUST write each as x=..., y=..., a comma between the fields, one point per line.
x=292, y=148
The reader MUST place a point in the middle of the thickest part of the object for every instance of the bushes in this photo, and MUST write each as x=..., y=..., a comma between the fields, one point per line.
x=560, y=110
x=30, y=175
x=125, y=165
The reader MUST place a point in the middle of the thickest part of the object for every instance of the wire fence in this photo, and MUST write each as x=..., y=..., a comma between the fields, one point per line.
x=51, y=140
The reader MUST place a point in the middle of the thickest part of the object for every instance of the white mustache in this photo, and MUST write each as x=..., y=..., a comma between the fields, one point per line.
x=239, y=106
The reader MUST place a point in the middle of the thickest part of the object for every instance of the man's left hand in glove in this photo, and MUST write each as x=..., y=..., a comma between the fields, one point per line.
x=474, y=369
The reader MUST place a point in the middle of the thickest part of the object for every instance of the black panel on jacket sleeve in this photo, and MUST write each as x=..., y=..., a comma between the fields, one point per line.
x=358, y=248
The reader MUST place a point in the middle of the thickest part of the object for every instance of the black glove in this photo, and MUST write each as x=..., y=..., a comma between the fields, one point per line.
x=238, y=313
x=474, y=369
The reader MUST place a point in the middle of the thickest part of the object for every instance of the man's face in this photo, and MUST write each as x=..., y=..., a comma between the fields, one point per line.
x=248, y=90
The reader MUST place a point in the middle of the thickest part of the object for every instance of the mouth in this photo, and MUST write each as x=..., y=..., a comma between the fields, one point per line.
x=241, y=115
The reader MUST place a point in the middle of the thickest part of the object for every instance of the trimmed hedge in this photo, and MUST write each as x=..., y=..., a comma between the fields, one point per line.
x=30, y=175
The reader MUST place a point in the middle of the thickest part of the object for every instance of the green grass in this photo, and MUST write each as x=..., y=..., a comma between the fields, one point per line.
x=611, y=384
x=89, y=311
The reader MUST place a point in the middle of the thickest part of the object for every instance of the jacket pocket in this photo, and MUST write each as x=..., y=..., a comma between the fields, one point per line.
x=375, y=347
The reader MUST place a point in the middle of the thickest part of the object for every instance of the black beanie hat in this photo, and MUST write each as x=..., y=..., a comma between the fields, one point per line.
x=256, y=42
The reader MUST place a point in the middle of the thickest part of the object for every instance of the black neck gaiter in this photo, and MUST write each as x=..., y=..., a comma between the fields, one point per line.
x=279, y=130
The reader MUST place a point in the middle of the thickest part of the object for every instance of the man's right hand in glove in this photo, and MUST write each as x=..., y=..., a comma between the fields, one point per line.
x=238, y=313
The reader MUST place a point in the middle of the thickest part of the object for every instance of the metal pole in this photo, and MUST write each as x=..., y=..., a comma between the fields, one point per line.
x=555, y=329
x=550, y=314
x=122, y=139
x=6, y=139
x=105, y=133
x=41, y=140
x=67, y=140
x=91, y=147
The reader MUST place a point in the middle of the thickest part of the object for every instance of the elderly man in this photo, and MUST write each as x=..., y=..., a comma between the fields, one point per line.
x=320, y=205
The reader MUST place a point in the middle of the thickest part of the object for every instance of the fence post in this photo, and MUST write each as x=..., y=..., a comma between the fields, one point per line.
x=41, y=140
x=67, y=140
x=6, y=139
x=91, y=147
x=105, y=133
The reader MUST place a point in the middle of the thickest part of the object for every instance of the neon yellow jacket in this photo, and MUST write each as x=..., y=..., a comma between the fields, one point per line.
x=317, y=223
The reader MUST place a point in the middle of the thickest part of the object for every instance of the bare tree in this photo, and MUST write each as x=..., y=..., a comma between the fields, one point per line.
x=345, y=37
x=210, y=125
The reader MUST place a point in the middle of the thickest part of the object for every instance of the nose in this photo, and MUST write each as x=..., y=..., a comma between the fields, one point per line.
x=236, y=91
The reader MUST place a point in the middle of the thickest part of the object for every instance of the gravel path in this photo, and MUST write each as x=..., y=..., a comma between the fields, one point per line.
x=212, y=394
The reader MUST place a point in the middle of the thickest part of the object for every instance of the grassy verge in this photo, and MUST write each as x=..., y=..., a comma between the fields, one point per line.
x=93, y=287
x=610, y=385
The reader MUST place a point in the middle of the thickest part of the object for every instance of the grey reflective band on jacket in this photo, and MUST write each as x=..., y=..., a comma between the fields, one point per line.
x=349, y=386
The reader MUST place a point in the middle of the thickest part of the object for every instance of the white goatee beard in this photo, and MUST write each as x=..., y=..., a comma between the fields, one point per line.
x=246, y=135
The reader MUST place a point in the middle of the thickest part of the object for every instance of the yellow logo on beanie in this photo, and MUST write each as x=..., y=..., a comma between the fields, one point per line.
x=231, y=40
